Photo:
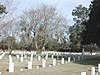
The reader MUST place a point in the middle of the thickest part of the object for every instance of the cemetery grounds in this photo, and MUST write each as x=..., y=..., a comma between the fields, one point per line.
x=68, y=68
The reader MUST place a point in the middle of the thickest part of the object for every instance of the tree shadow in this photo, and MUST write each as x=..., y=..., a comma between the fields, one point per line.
x=7, y=69
x=26, y=67
x=93, y=62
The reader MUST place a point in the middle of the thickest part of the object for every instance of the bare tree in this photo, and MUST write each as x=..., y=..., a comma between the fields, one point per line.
x=7, y=21
x=10, y=7
x=45, y=22
x=9, y=32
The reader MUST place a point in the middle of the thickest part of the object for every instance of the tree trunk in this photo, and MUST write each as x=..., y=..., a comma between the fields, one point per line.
x=43, y=49
x=38, y=51
x=10, y=50
x=83, y=51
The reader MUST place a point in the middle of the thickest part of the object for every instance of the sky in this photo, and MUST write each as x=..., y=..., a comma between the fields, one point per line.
x=63, y=6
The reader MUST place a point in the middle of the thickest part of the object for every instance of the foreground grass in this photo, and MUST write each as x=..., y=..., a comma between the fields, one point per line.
x=73, y=68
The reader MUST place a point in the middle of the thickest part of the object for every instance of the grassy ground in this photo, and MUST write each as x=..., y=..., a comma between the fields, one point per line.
x=65, y=69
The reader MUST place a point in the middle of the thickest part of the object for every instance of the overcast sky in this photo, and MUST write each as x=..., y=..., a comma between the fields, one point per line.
x=65, y=6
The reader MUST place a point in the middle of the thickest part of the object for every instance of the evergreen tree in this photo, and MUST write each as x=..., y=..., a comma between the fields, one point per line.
x=92, y=33
x=2, y=9
x=80, y=15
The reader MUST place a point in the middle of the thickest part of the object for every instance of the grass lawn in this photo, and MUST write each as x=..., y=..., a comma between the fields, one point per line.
x=73, y=68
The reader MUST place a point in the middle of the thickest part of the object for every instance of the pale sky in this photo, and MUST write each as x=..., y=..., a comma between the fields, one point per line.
x=64, y=6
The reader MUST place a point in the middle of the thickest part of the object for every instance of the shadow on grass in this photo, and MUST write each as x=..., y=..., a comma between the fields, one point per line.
x=7, y=69
x=26, y=67
x=93, y=62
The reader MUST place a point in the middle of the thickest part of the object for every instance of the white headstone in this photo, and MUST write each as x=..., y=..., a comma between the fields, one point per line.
x=62, y=61
x=10, y=56
x=83, y=73
x=74, y=59
x=31, y=58
x=25, y=56
x=46, y=57
x=10, y=59
x=14, y=57
x=39, y=57
x=98, y=67
x=54, y=62
x=21, y=69
x=17, y=56
x=57, y=55
x=93, y=71
x=68, y=59
x=52, y=56
x=21, y=55
x=58, y=63
x=82, y=57
x=11, y=67
x=35, y=59
x=0, y=57
x=37, y=67
x=96, y=73
x=29, y=64
x=49, y=65
x=78, y=57
x=43, y=63
x=21, y=59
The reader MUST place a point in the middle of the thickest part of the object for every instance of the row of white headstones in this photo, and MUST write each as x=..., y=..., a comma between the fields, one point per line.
x=93, y=72
x=11, y=63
